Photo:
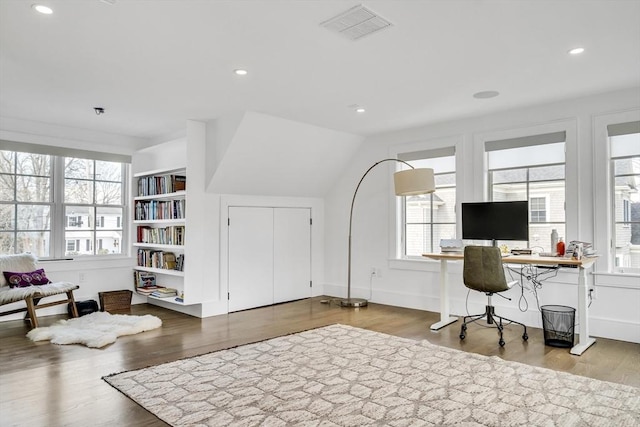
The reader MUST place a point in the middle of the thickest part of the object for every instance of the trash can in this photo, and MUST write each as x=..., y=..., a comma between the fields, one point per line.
x=558, y=323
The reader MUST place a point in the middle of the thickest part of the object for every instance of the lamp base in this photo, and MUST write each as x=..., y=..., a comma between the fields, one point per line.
x=353, y=302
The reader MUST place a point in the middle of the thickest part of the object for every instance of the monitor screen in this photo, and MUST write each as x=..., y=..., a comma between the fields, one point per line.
x=496, y=221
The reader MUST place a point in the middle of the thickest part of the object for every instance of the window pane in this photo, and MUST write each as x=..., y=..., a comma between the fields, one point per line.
x=34, y=217
x=509, y=192
x=7, y=185
x=7, y=217
x=626, y=166
x=444, y=204
x=510, y=175
x=540, y=236
x=627, y=245
x=108, y=193
x=33, y=164
x=110, y=242
x=418, y=239
x=35, y=242
x=33, y=189
x=79, y=217
x=7, y=159
x=418, y=209
x=108, y=171
x=546, y=173
x=553, y=193
x=112, y=218
x=83, y=242
x=7, y=243
x=76, y=191
x=78, y=168
x=445, y=180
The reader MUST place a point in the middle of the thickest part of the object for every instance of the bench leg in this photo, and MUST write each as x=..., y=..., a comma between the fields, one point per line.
x=31, y=311
x=74, y=309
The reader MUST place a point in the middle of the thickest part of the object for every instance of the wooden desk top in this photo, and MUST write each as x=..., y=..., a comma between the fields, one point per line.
x=519, y=259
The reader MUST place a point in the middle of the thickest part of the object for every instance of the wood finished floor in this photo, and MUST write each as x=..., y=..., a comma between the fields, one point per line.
x=42, y=384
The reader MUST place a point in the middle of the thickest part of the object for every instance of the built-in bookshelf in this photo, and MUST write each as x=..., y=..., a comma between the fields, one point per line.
x=159, y=212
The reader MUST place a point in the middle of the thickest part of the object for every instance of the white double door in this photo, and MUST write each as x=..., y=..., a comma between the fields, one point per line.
x=269, y=256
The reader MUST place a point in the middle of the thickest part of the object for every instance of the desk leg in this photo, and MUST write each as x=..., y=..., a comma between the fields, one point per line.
x=583, y=314
x=445, y=319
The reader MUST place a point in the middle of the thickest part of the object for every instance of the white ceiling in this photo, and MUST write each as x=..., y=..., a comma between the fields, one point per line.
x=154, y=64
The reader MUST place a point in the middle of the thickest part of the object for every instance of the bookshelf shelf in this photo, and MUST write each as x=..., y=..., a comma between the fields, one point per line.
x=170, y=300
x=179, y=221
x=164, y=271
x=158, y=246
x=165, y=196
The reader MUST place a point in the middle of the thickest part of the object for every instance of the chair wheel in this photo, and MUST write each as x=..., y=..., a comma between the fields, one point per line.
x=525, y=337
x=501, y=342
x=462, y=336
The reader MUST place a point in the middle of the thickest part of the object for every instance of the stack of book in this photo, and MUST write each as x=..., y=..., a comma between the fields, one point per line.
x=147, y=290
x=164, y=293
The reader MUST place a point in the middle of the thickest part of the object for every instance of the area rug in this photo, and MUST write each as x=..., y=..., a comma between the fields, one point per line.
x=346, y=376
x=95, y=330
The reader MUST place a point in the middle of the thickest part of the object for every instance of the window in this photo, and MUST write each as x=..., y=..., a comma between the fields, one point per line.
x=430, y=217
x=625, y=186
x=49, y=204
x=538, y=209
x=531, y=168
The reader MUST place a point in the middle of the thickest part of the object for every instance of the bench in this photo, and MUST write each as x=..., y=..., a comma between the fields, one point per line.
x=31, y=295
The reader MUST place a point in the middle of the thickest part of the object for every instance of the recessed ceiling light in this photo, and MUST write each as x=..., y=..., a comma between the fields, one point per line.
x=42, y=9
x=486, y=94
x=360, y=110
x=576, y=51
x=241, y=72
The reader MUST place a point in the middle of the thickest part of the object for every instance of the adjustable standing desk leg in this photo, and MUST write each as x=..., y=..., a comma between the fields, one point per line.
x=585, y=341
x=445, y=319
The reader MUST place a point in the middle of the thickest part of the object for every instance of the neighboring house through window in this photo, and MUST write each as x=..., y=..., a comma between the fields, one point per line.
x=430, y=217
x=624, y=139
x=531, y=168
x=51, y=202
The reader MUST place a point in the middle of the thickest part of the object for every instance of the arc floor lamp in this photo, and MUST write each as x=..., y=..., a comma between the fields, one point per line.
x=408, y=182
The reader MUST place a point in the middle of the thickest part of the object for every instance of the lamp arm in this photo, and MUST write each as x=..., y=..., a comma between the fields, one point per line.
x=353, y=200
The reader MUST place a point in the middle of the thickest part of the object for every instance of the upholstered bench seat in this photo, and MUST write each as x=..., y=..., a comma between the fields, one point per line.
x=31, y=295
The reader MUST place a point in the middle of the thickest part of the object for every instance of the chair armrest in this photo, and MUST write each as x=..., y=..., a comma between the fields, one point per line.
x=512, y=283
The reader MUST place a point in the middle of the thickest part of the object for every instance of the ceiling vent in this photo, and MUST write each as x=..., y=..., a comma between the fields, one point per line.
x=356, y=23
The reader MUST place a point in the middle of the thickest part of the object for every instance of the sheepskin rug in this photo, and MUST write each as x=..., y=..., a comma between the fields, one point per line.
x=94, y=330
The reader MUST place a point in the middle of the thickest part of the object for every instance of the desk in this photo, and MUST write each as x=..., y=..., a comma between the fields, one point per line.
x=585, y=341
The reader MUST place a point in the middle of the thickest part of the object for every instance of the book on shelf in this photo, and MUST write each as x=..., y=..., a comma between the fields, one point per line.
x=161, y=184
x=143, y=278
x=155, y=258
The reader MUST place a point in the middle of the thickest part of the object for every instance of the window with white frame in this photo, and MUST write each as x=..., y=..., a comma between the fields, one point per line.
x=55, y=205
x=531, y=168
x=430, y=217
x=624, y=139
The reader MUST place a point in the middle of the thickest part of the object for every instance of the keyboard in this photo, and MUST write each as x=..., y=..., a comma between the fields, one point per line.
x=548, y=254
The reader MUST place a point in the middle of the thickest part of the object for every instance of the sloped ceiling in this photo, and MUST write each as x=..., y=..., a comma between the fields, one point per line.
x=271, y=156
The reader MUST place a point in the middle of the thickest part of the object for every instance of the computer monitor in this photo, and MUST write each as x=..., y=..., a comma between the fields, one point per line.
x=496, y=221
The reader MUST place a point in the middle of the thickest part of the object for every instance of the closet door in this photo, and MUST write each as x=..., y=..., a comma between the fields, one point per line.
x=250, y=257
x=291, y=254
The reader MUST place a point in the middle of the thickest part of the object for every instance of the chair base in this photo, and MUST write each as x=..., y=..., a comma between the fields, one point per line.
x=491, y=317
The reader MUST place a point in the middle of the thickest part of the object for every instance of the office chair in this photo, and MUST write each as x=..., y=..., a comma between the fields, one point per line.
x=483, y=272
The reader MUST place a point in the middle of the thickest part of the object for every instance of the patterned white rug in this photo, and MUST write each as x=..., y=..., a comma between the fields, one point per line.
x=345, y=376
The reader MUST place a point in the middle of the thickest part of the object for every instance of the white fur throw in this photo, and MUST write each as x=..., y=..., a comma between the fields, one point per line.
x=20, y=263
x=95, y=330
x=9, y=295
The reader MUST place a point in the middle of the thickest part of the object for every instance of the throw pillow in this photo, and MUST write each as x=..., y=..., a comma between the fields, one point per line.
x=22, y=280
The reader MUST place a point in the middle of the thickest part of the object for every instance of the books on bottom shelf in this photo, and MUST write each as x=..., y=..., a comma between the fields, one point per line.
x=157, y=291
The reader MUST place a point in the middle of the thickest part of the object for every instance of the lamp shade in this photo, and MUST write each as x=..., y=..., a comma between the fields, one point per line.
x=411, y=182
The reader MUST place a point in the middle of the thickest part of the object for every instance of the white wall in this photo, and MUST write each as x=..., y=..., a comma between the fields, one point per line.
x=613, y=314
